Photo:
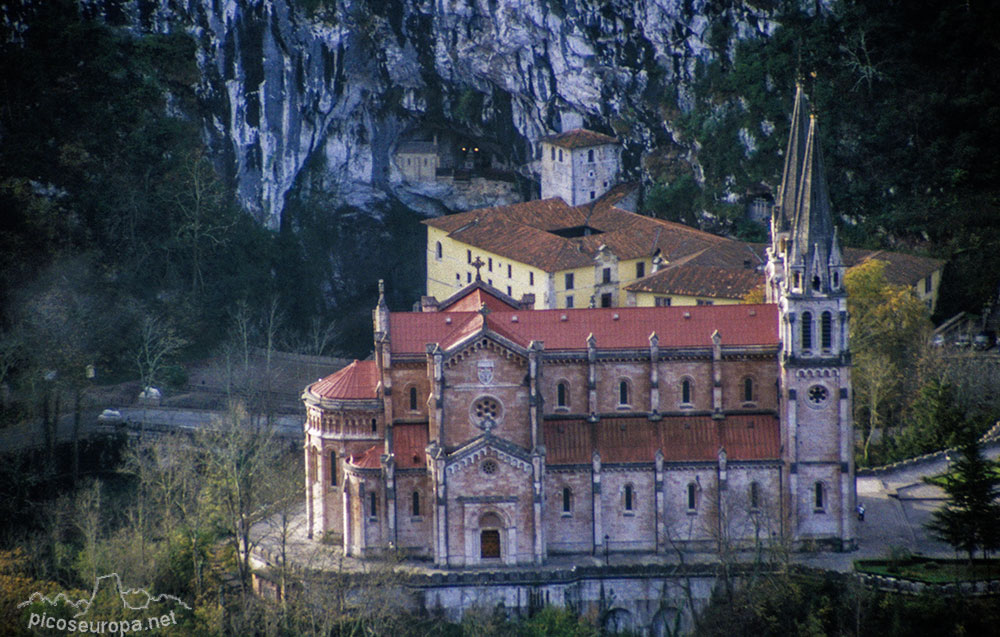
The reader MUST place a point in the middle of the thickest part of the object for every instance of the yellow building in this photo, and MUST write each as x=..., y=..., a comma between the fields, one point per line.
x=597, y=253
x=566, y=256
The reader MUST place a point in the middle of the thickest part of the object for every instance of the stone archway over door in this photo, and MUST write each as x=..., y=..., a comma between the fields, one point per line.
x=490, y=536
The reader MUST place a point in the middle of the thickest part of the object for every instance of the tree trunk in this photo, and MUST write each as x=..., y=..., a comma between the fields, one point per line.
x=77, y=399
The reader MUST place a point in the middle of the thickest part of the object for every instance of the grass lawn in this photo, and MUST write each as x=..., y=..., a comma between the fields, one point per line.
x=932, y=570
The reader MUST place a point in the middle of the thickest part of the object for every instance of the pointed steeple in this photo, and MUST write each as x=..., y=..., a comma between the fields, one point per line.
x=794, y=161
x=812, y=218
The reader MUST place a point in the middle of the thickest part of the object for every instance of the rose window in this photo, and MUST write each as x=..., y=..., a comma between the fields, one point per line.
x=486, y=408
x=489, y=467
x=486, y=413
x=818, y=394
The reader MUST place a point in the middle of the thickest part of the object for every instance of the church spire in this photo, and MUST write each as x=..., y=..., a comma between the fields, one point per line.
x=794, y=160
x=812, y=218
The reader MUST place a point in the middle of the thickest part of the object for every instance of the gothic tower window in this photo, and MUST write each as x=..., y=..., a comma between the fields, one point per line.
x=629, y=497
x=748, y=390
x=692, y=492
x=567, y=500
x=562, y=395
x=818, y=496
x=413, y=398
x=816, y=282
x=372, y=505
x=826, y=330
x=686, y=391
x=416, y=504
x=623, y=393
x=807, y=324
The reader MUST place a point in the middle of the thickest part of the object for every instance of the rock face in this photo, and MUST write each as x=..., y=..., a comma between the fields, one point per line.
x=337, y=85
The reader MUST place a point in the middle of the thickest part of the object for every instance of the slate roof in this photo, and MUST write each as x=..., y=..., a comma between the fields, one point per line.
x=417, y=148
x=612, y=328
x=358, y=381
x=579, y=138
x=681, y=438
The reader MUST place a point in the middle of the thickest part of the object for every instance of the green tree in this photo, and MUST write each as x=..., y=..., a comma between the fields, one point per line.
x=971, y=519
x=888, y=332
x=936, y=421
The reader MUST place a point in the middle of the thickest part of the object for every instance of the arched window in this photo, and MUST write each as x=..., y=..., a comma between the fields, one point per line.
x=374, y=426
x=807, y=334
x=629, y=497
x=438, y=251
x=416, y=504
x=816, y=282
x=623, y=393
x=372, y=505
x=826, y=330
x=562, y=395
x=333, y=468
x=818, y=496
x=413, y=398
x=754, y=495
x=567, y=500
x=590, y=156
x=748, y=390
x=692, y=494
x=686, y=391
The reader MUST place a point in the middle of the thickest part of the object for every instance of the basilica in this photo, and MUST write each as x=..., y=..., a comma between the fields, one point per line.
x=488, y=432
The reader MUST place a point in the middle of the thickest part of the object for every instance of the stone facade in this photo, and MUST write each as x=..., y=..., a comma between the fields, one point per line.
x=579, y=166
x=505, y=435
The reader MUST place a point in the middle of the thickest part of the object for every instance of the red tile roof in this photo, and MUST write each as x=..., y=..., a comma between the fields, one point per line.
x=900, y=269
x=525, y=233
x=370, y=459
x=579, y=138
x=474, y=296
x=700, y=280
x=358, y=381
x=408, y=444
x=613, y=328
x=681, y=438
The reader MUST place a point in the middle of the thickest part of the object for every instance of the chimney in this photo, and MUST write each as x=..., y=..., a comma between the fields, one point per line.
x=428, y=304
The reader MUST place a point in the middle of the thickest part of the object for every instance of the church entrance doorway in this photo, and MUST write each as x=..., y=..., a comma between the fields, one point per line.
x=490, y=544
x=490, y=526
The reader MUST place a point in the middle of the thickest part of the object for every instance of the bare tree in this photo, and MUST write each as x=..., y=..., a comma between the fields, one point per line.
x=238, y=456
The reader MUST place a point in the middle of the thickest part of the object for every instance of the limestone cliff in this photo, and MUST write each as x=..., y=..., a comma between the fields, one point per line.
x=338, y=84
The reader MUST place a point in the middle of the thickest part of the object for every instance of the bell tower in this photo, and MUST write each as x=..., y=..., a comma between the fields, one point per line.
x=805, y=277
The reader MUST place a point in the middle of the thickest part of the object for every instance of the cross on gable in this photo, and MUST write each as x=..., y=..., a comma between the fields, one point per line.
x=478, y=263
